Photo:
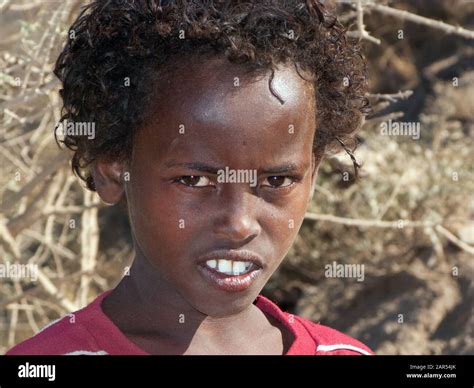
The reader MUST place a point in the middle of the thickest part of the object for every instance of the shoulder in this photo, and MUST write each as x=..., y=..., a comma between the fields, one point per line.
x=67, y=335
x=332, y=342
x=313, y=338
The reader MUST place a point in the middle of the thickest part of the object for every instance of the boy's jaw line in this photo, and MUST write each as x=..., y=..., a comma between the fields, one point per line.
x=198, y=328
x=194, y=317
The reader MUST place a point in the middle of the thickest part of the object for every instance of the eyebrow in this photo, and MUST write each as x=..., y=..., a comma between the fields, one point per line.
x=285, y=168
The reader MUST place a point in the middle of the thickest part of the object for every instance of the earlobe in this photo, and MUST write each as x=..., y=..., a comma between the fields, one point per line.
x=108, y=180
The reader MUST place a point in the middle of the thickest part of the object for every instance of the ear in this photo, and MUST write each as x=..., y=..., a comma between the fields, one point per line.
x=108, y=180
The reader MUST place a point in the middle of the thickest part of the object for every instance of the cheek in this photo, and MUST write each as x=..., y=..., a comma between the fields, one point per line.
x=165, y=223
x=284, y=222
x=156, y=221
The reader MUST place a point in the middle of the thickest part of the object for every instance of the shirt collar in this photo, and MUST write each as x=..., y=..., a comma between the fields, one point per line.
x=302, y=343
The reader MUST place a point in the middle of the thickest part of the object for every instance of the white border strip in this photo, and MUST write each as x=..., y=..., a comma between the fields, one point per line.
x=86, y=353
x=330, y=348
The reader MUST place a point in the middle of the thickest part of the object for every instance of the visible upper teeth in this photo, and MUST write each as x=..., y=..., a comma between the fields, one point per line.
x=224, y=266
x=229, y=267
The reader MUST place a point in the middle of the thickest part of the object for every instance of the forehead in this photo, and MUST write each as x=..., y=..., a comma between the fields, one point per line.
x=220, y=106
x=214, y=85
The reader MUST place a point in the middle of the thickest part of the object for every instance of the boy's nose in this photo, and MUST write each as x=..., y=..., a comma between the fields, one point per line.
x=237, y=221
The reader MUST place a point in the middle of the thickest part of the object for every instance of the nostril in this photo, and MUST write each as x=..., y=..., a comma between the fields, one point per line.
x=236, y=238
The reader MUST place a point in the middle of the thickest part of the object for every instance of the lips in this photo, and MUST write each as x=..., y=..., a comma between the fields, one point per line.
x=230, y=271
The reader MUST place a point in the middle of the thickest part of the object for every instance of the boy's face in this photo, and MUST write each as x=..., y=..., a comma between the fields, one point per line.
x=208, y=117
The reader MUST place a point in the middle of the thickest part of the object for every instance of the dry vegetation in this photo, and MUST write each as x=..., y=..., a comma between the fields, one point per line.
x=409, y=219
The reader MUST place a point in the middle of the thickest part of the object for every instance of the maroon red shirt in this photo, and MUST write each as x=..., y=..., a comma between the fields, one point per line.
x=90, y=332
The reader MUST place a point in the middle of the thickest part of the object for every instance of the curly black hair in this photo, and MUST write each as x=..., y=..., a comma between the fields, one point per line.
x=116, y=40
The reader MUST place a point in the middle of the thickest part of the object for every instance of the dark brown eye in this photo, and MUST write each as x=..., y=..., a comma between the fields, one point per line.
x=278, y=181
x=194, y=181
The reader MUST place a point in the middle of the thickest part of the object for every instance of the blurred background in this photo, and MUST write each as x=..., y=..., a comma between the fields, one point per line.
x=408, y=220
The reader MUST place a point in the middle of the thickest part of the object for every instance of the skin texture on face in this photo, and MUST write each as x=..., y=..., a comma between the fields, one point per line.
x=228, y=121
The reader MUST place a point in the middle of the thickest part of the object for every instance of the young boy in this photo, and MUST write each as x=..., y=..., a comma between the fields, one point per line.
x=212, y=118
